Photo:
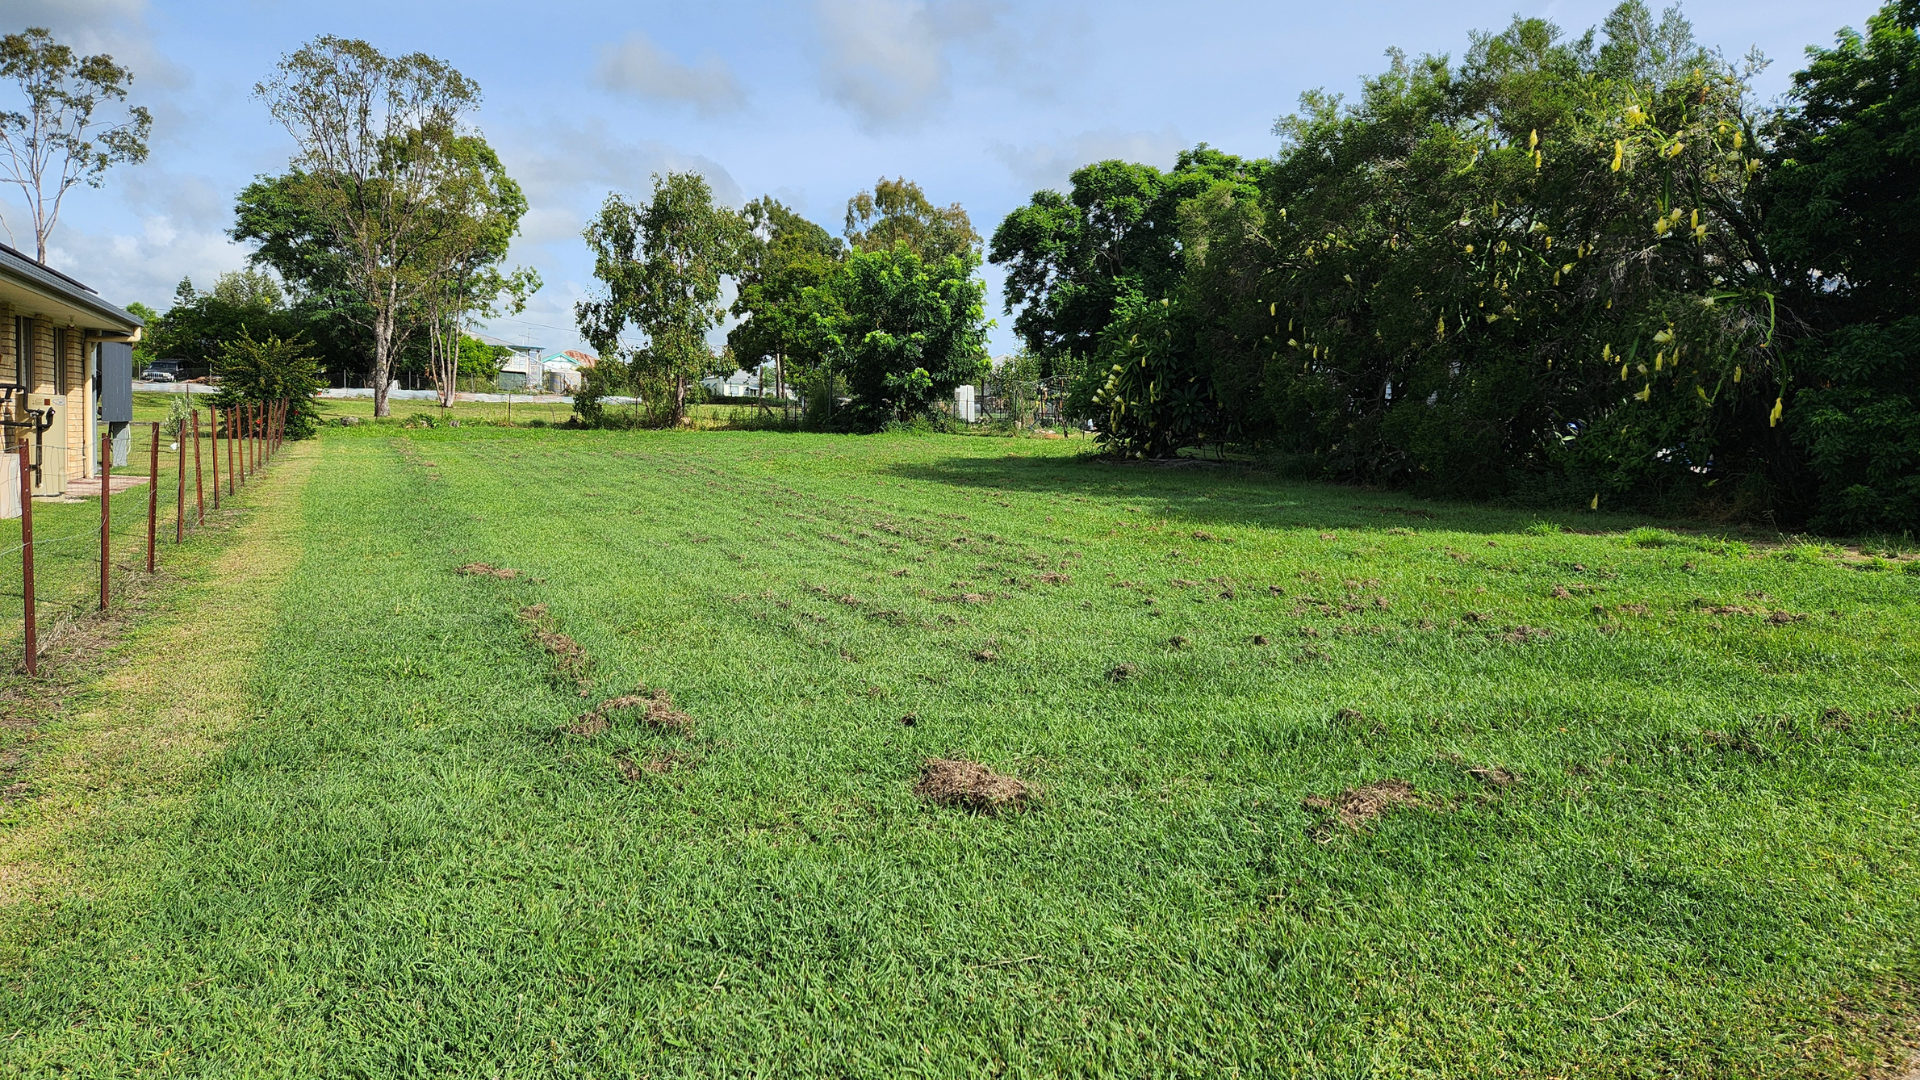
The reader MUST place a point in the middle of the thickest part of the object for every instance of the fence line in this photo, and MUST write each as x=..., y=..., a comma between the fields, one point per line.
x=260, y=427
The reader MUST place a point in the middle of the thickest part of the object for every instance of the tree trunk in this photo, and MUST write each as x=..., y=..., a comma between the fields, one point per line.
x=382, y=363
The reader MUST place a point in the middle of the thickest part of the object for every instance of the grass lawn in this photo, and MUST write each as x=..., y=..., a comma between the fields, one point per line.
x=1658, y=809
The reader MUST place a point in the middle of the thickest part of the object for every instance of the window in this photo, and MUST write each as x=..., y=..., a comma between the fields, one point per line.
x=59, y=360
x=22, y=343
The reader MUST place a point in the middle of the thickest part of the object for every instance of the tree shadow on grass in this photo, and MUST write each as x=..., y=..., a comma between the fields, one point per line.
x=1199, y=492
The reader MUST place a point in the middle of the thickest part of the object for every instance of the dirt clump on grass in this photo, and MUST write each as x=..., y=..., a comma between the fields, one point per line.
x=972, y=786
x=655, y=709
x=1122, y=672
x=480, y=569
x=1357, y=807
x=569, y=658
x=1493, y=775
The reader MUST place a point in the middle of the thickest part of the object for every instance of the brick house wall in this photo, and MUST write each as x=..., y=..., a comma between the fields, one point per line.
x=48, y=373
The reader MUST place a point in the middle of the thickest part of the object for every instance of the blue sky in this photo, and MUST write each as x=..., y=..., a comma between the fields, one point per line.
x=981, y=102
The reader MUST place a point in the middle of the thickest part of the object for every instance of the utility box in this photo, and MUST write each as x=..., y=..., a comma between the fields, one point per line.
x=50, y=445
x=116, y=382
x=965, y=407
x=116, y=397
x=9, y=486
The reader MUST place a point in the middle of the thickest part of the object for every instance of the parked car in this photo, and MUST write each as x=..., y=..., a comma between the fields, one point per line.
x=157, y=375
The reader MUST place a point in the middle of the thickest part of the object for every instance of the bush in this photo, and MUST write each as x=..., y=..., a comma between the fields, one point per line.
x=256, y=372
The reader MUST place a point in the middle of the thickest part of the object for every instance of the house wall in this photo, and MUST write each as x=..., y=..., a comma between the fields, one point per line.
x=46, y=373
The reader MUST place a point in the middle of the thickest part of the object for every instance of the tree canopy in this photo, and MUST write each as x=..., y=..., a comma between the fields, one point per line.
x=1562, y=268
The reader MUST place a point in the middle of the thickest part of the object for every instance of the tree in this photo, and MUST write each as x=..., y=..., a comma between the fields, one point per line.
x=786, y=255
x=1844, y=227
x=904, y=330
x=660, y=267
x=200, y=326
x=898, y=212
x=293, y=240
x=482, y=207
x=256, y=371
x=1114, y=240
x=57, y=142
x=378, y=163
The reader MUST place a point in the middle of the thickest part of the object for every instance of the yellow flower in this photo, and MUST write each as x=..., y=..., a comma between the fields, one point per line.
x=1623, y=373
x=1702, y=391
x=1469, y=249
x=1273, y=309
x=1595, y=505
x=1663, y=336
x=1606, y=351
x=1619, y=153
x=1736, y=373
x=1646, y=393
x=1533, y=140
x=1779, y=406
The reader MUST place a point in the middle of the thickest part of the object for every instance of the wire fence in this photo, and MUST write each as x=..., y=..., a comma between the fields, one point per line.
x=66, y=556
x=1038, y=403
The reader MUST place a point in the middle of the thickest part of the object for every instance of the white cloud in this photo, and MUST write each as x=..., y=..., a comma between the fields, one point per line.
x=639, y=67
x=115, y=27
x=889, y=61
x=1051, y=164
x=560, y=164
x=145, y=266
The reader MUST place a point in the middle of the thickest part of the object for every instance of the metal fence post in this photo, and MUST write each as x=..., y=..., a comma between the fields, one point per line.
x=180, y=500
x=26, y=556
x=106, y=514
x=153, y=493
x=200, y=489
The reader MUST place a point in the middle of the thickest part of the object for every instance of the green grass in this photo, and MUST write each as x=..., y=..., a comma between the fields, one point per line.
x=403, y=864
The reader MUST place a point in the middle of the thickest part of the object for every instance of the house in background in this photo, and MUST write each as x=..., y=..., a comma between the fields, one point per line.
x=66, y=358
x=565, y=370
x=741, y=383
x=521, y=368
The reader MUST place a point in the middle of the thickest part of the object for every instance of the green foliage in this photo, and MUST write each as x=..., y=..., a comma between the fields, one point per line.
x=785, y=256
x=200, y=325
x=1560, y=269
x=385, y=182
x=1844, y=229
x=1074, y=261
x=897, y=212
x=479, y=359
x=660, y=268
x=264, y=370
x=903, y=331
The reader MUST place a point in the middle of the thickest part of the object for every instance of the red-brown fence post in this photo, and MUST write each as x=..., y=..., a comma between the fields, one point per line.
x=26, y=556
x=253, y=433
x=234, y=476
x=153, y=493
x=200, y=489
x=106, y=511
x=180, y=500
x=213, y=437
